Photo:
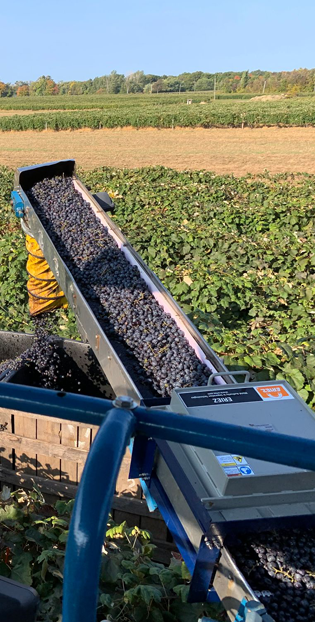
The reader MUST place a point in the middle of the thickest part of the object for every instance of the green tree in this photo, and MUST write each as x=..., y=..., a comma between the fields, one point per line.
x=87, y=87
x=75, y=88
x=158, y=86
x=45, y=85
x=244, y=80
x=39, y=87
x=173, y=84
x=134, y=82
x=149, y=78
x=188, y=80
x=204, y=84
x=63, y=88
x=114, y=81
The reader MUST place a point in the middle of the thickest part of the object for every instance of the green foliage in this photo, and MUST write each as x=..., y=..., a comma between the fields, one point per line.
x=13, y=295
x=238, y=256
x=299, y=81
x=132, y=586
x=244, y=80
x=161, y=111
x=109, y=102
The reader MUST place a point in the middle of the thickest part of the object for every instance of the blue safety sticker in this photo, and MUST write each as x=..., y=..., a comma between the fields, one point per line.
x=246, y=470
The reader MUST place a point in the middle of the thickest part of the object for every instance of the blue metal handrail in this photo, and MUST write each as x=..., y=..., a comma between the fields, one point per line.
x=89, y=519
x=161, y=424
x=95, y=492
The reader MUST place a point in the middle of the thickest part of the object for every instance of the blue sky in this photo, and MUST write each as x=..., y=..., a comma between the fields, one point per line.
x=79, y=39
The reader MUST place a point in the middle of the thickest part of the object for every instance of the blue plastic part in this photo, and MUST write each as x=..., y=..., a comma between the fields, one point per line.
x=240, y=616
x=89, y=518
x=151, y=503
x=255, y=611
x=134, y=471
x=252, y=611
x=18, y=204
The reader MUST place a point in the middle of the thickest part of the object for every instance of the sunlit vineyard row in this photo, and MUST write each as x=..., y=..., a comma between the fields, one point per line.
x=168, y=111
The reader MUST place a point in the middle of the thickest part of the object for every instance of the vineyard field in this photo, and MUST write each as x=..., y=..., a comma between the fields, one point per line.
x=84, y=102
x=237, y=254
x=165, y=111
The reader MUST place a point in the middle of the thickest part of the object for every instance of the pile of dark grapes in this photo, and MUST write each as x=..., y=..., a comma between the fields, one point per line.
x=43, y=355
x=159, y=354
x=280, y=567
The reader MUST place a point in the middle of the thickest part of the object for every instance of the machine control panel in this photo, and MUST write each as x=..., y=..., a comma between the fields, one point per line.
x=267, y=406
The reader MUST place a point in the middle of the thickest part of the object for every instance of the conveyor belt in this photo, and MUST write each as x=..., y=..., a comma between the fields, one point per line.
x=110, y=354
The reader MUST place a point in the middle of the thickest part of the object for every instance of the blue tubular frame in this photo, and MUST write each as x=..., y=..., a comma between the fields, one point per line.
x=94, y=496
x=160, y=424
x=91, y=509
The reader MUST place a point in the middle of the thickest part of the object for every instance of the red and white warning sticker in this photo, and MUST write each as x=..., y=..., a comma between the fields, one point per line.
x=231, y=471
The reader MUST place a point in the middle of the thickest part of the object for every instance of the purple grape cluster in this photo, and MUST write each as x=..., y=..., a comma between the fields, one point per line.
x=157, y=353
x=43, y=354
x=280, y=568
x=46, y=364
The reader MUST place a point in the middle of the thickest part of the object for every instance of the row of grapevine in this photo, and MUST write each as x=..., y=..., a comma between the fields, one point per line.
x=85, y=102
x=297, y=112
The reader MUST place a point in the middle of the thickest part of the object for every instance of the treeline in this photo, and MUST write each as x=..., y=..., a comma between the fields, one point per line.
x=292, y=82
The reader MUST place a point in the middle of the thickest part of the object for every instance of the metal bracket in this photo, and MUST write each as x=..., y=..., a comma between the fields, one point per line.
x=17, y=204
x=205, y=566
x=104, y=201
x=243, y=372
x=142, y=462
x=25, y=228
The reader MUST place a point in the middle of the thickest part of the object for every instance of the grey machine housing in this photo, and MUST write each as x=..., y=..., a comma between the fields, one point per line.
x=237, y=488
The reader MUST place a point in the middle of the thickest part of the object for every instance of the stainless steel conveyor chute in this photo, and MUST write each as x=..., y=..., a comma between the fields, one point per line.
x=109, y=355
x=205, y=496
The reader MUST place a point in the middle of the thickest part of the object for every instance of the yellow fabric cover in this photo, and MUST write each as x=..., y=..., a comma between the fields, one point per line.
x=43, y=290
x=33, y=248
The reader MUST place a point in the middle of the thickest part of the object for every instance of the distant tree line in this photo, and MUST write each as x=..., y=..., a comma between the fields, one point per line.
x=298, y=80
